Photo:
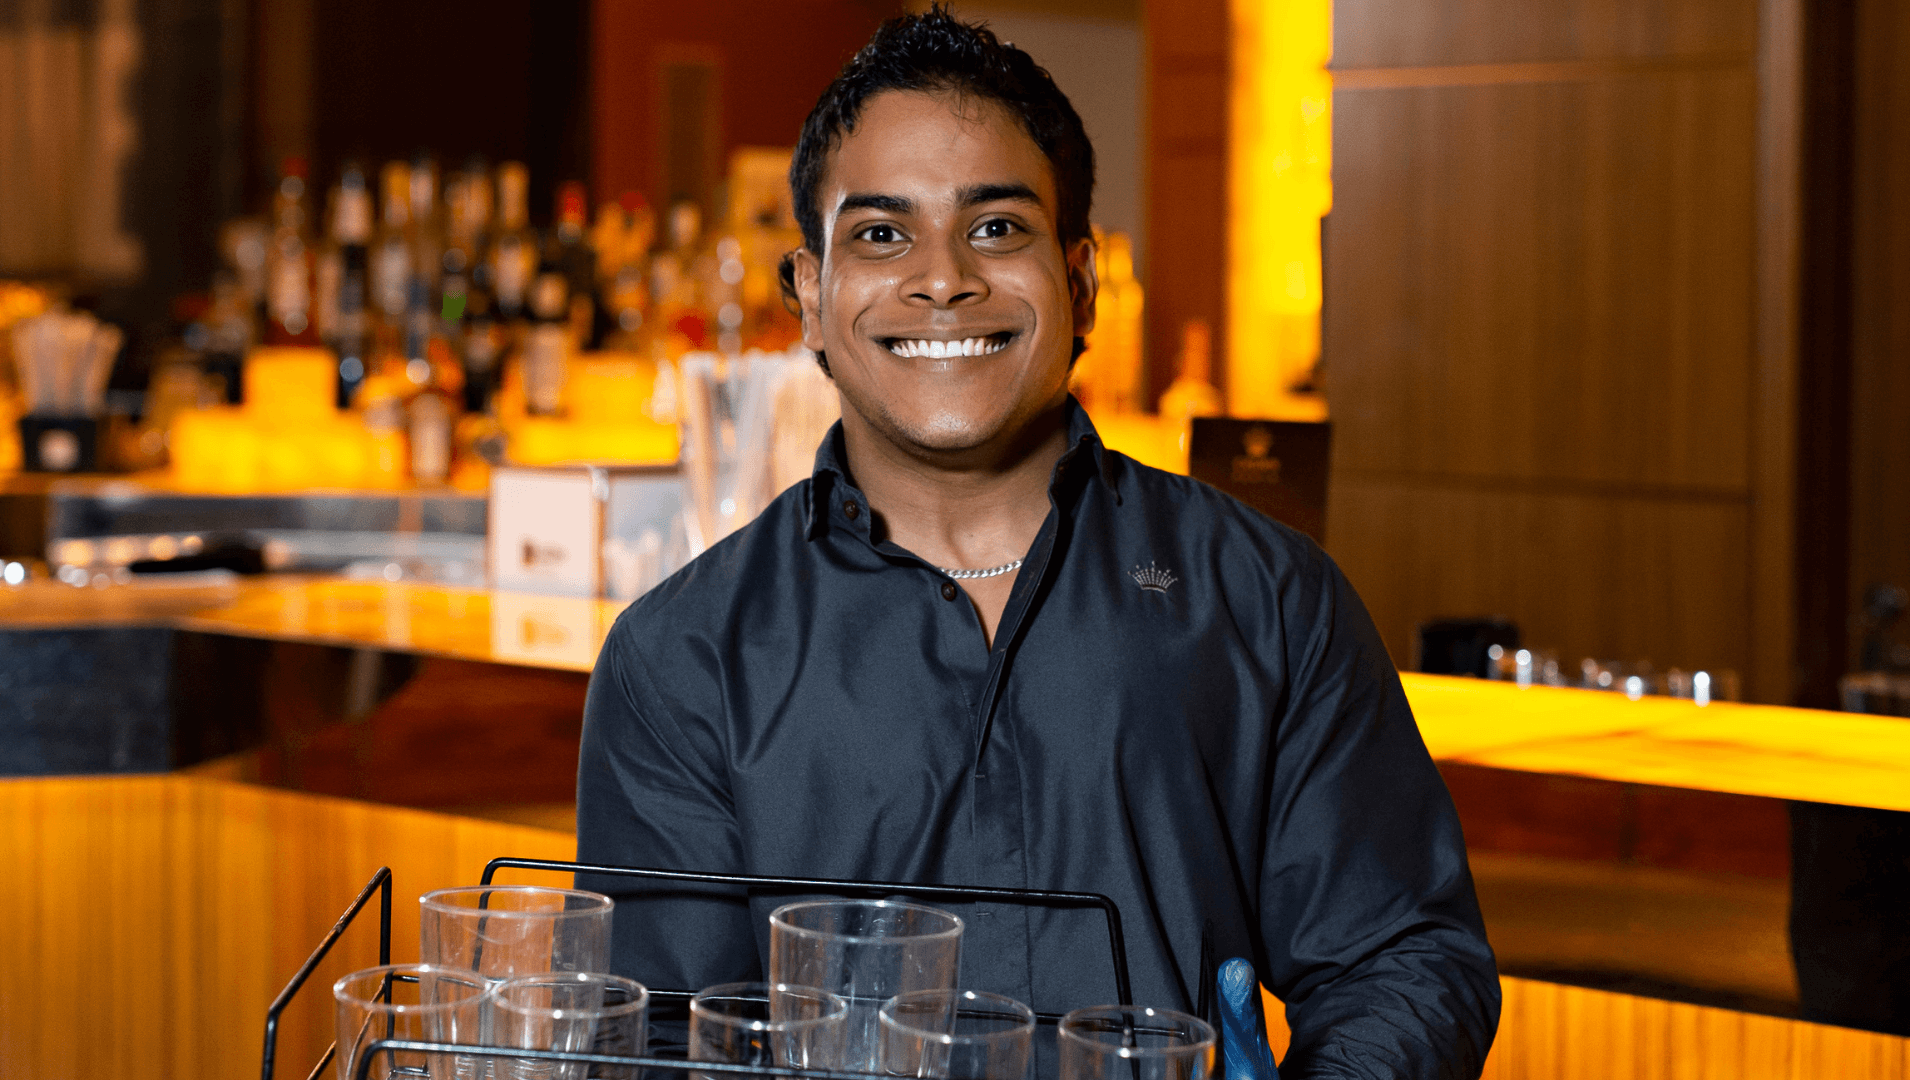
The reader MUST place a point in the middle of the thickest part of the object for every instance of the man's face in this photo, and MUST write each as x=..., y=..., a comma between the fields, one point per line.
x=943, y=296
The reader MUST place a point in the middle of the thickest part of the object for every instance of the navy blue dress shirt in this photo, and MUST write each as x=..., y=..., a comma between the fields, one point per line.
x=1185, y=708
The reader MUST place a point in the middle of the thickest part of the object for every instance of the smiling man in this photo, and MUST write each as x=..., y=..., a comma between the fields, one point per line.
x=978, y=647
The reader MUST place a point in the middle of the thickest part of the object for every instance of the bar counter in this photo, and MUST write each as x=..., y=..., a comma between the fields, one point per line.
x=1755, y=750
x=151, y=919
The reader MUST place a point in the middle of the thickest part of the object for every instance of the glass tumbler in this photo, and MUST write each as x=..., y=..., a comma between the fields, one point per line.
x=1117, y=1042
x=573, y=1011
x=505, y=930
x=415, y=1002
x=766, y=1024
x=865, y=951
x=956, y=1035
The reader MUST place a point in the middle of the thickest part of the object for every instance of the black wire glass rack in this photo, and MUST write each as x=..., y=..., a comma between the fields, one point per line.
x=380, y=886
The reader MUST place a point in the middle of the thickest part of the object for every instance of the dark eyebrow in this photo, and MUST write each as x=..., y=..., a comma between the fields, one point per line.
x=888, y=204
x=977, y=194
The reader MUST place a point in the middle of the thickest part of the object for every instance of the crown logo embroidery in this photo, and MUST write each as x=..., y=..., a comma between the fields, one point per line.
x=1152, y=578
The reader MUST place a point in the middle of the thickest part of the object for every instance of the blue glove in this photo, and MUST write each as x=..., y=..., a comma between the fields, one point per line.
x=1243, y=1025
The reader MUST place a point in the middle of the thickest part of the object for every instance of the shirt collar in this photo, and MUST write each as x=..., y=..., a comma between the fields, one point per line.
x=1084, y=449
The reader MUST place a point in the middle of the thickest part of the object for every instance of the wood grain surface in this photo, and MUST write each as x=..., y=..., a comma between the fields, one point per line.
x=1553, y=326
x=150, y=920
x=1880, y=437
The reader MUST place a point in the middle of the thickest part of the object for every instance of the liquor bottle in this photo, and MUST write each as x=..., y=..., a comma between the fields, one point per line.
x=681, y=322
x=290, y=263
x=467, y=199
x=571, y=256
x=427, y=235
x=1108, y=377
x=345, y=277
x=1193, y=392
x=624, y=232
x=391, y=258
x=513, y=255
x=549, y=340
x=428, y=422
x=480, y=345
x=723, y=294
x=425, y=239
x=247, y=243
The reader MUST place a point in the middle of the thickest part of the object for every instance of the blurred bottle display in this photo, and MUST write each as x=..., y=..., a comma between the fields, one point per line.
x=456, y=335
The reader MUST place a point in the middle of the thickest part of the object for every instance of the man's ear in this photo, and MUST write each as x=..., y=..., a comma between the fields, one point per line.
x=808, y=275
x=1083, y=284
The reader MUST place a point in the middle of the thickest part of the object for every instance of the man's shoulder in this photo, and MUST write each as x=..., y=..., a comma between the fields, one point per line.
x=705, y=594
x=1203, y=515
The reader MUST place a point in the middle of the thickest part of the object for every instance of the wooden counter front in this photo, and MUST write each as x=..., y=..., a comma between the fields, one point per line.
x=145, y=924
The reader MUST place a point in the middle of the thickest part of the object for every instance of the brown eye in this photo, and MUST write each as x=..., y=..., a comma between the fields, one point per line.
x=995, y=229
x=881, y=234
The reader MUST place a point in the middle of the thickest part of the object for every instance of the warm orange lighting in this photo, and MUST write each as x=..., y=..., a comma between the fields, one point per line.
x=1278, y=189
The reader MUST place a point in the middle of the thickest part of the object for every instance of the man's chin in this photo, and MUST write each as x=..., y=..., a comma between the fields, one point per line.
x=946, y=432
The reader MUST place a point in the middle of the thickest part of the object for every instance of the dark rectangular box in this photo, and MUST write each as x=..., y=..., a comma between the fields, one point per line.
x=1277, y=467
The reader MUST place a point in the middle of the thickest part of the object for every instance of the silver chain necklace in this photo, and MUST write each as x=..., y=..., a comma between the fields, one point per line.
x=993, y=571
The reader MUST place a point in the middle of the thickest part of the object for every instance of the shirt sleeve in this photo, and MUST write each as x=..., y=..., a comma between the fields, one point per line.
x=1371, y=925
x=652, y=792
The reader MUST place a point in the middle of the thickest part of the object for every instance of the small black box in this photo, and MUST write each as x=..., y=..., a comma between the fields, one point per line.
x=1275, y=466
x=59, y=444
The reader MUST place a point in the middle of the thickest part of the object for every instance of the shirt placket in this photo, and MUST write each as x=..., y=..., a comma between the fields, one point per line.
x=998, y=784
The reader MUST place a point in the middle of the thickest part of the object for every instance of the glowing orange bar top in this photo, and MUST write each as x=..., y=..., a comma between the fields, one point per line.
x=1761, y=750
x=1767, y=750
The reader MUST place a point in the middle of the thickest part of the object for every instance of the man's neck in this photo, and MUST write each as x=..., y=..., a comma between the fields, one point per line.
x=973, y=510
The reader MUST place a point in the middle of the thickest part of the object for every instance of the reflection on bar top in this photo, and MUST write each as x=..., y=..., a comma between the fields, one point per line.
x=1760, y=750
x=433, y=620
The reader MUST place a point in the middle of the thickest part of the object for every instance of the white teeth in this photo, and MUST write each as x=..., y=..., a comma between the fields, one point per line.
x=940, y=350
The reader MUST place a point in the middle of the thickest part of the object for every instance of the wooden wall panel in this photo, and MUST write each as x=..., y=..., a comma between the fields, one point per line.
x=774, y=60
x=1552, y=309
x=1187, y=72
x=1880, y=360
x=1387, y=33
x=1574, y=306
x=1587, y=574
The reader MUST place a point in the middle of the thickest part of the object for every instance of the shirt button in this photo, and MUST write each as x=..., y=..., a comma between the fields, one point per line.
x=850, y=508
x=948, y=590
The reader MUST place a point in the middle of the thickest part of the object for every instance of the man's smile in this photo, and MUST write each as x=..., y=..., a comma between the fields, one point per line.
x=943, y=348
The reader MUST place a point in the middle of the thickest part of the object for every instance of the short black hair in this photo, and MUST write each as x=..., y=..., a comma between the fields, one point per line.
x=935, y=52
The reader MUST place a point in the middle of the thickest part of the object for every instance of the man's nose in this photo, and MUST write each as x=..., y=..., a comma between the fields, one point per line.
x=947, y=274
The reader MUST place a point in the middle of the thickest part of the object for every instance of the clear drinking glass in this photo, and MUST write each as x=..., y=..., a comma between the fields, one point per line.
x=574, y=1011
x=865, y=951
x=1117, y=1042
x=766, y=1024
x=416, y=1002
x=956, y=1035
x=505, y=930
